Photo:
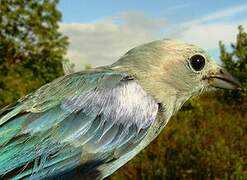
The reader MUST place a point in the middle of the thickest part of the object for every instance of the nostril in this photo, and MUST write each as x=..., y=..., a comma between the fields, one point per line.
x=221, y=71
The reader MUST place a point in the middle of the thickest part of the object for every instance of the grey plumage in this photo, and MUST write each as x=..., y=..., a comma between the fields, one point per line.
x=92, y=122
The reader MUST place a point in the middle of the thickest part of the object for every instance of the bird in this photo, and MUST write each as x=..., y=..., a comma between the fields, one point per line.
x=87, y=124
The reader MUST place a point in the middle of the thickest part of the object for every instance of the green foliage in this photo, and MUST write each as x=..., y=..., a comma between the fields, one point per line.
x=236, y=62
x=68, y=67
x=31, y=48
x=207, y=139
x=88, y=66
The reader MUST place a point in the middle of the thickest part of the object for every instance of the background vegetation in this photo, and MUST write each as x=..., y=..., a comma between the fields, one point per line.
x=31, y=48
x=207, y=139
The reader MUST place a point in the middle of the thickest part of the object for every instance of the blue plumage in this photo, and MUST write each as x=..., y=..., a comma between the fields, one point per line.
x=72, y=122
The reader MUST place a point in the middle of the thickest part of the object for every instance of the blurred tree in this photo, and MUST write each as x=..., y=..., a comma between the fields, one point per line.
x=68, y=67
x=236, y=62
x=31, y=48
x=88, y=66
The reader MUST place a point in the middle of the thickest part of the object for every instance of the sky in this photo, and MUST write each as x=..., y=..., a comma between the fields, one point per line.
x=102, y=31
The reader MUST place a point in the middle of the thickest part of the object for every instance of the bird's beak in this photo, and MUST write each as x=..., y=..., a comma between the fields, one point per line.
x=223, y=79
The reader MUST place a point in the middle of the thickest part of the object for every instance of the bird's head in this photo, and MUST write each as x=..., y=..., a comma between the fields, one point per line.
x=172, y=68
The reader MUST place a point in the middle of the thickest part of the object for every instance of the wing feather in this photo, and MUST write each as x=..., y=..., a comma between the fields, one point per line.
x=74, y=121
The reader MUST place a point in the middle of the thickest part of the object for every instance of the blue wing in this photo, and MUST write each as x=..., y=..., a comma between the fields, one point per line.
x=81, y=120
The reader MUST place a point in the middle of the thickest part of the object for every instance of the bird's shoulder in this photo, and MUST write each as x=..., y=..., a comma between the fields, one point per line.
x=62, y=89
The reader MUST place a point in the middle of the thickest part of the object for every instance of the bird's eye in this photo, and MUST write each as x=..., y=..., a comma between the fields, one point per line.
x=197, y=62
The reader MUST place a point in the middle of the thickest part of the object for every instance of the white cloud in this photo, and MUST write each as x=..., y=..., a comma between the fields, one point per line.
x=219, y=15
x=103, y=42
x=208, y=30
x=209, y=35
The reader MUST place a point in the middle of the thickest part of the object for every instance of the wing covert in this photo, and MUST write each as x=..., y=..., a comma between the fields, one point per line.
x=94, y=116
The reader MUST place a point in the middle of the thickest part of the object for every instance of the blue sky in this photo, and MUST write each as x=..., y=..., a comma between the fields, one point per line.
x=101, y=31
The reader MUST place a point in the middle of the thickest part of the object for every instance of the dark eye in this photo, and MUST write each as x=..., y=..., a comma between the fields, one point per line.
x=197, y=62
